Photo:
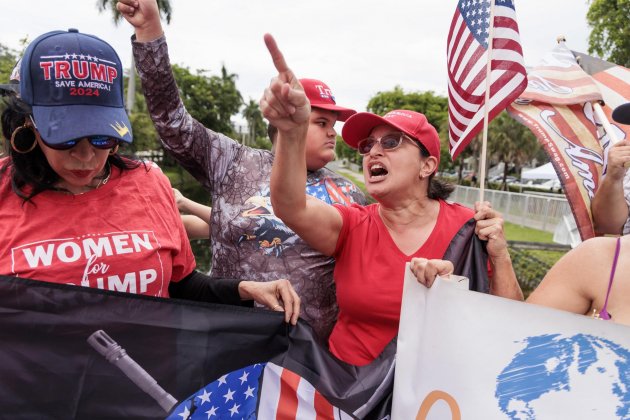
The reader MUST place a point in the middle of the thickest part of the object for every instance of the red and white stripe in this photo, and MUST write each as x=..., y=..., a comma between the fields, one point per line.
x=559, y=80
x=466, y=61
x=286, y=396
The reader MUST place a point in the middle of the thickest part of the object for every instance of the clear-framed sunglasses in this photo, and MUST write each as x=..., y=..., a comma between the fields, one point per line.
x=388, y=142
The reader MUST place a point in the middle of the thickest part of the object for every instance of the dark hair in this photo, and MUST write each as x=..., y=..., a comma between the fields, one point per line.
x=30, y=172
x=438, y=189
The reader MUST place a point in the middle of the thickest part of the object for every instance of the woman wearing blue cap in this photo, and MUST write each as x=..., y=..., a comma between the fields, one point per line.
x=76, y=212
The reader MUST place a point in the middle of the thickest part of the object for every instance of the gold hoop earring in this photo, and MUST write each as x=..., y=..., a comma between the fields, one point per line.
x=114, y=150
x=15, y=134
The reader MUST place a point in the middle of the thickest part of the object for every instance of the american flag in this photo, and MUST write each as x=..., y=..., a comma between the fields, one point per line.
x=263, y=391
x=467, y=56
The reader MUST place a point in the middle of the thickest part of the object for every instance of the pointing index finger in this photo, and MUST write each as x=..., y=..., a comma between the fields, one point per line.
x=276, y=54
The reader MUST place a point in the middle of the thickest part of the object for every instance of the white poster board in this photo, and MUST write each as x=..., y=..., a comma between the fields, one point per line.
x=468, y=355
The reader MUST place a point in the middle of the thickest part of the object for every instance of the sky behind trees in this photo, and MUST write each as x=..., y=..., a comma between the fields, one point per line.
x=358, y=47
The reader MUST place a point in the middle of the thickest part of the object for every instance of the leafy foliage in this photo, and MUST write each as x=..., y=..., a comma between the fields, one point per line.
x=145, y=136
x=257, y=136
x=211, y=100
x=343, y=151
x=8, y=58
x=610, y=35
x=511, y=142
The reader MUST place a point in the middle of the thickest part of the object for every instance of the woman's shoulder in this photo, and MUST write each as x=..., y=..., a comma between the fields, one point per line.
x=456, y=210
x=357, y=212
x=600, y=245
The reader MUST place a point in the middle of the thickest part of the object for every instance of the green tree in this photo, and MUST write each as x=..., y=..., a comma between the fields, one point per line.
x=145, y=137
x=343, y=151
x=610, y=34
x=257, y=136
x=8, y=58
x=511, y=142
x=211, y=100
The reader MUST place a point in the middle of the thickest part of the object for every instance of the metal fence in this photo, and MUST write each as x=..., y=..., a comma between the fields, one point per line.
x=537, y=211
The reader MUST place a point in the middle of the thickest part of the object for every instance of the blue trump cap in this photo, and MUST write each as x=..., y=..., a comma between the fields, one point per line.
x=74, y=84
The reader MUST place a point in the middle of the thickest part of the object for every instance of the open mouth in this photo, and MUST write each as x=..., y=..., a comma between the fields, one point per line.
x=377, y=171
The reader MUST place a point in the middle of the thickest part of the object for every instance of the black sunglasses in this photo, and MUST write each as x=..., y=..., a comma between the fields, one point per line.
x=100, y=142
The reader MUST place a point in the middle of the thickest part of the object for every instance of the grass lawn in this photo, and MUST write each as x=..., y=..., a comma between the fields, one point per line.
x=519, y=233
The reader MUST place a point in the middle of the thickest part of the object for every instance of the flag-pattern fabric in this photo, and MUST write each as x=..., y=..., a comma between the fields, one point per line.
x=467, y=56
x=568, y=134
x=264, y=391
x=557, y=107
x=559, y=80
x=286, y=395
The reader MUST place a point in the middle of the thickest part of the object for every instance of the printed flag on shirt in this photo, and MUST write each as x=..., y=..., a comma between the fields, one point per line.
x=467, y=56
x=326, y=190
x=557, y=107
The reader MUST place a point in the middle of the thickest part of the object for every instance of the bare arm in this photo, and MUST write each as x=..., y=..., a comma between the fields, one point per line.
x=196, y=228
x=609, y=207
x=188, y=206
x=572, y=282
x=490, y=228
x=286, y=106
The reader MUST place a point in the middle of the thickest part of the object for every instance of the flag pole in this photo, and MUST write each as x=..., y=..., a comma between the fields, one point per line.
x=484, y=141
x=599, y=111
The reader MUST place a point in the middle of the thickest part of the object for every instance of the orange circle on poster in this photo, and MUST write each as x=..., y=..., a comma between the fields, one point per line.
x=432, y=398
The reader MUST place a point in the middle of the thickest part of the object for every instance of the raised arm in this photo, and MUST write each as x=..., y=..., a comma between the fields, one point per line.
x=489, y=228
x=609, y=207
x=202, y=152
x=286, y=106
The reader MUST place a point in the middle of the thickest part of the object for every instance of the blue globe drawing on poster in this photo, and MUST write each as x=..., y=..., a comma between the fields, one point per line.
x=556, y=377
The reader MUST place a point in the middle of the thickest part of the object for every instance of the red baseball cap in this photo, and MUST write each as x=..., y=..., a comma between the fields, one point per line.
x=414, y=124
x=322, y=97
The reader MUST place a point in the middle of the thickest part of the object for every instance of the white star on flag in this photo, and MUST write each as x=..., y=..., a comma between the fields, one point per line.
x=229, y=395
x=234, y=410
x=205, y=397
x=243, y=377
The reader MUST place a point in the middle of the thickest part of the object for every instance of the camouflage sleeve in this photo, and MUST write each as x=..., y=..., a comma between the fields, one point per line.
x=192, y=144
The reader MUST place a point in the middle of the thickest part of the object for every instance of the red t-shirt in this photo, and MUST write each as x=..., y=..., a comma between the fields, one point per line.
x=125, y=236
x=369, y=274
